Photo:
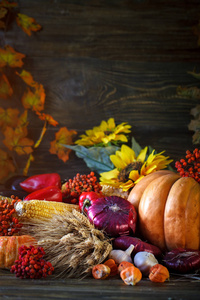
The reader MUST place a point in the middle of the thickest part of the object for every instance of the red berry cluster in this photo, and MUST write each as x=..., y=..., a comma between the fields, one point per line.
x=80, y=183
x=190, y=167
x=9, y=224
x=31, y=263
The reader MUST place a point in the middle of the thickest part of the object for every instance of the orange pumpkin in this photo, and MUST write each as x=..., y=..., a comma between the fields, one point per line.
x=168, y=210
x=9, y=246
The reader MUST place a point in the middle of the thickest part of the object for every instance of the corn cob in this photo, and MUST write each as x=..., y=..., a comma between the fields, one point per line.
x=40, y=209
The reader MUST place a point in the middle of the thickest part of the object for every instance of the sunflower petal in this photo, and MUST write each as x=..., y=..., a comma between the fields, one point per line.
x=142, y=155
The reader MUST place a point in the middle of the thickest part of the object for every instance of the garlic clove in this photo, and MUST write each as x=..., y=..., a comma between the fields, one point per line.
x=120, y=255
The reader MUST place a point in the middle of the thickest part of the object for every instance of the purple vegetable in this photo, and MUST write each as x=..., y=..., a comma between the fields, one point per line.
x=115, y=215
x=182, y=260
x=123, y=242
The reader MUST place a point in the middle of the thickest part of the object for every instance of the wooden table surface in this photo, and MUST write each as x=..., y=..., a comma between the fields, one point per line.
x=177, y=288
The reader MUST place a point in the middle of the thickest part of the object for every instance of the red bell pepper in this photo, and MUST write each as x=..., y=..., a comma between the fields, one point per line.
x=86, y=199
x=49, y=193
x=37, y=182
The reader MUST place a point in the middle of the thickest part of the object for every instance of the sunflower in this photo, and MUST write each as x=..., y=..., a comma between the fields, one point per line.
x=130, y=169
x=105, y=134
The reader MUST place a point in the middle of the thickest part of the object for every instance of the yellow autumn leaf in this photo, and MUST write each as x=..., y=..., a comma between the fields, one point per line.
x=27, y=23
x=15, y=139
x=34, y=99
x=8, y=117
x=6, y=165
x=5, y=87
x=9, y=57
x=63, y=136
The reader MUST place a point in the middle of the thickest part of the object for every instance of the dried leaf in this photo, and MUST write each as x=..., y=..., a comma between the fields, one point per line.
x=34, y=100
x=9, y=57
x=27, y=24
x=195, y=75
x=15, y=139
x=5, y=87
x=7, y=4
x=8, y=117
x=192, y=92
x=23, y=119
x=47, y=118
x=6, y=165
x=194, y=124
x=27, y=78
x=96, y=158
x=63, y=136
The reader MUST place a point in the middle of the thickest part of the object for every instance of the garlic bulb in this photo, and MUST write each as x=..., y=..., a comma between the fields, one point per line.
x=120, y=255
x=144, y=261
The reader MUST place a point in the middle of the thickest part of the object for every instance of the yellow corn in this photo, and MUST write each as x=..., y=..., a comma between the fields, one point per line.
x=42, y=209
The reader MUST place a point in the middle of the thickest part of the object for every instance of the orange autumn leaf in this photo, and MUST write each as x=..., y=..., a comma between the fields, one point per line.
x=48, y=118
x=9, y=57
x=15, y=139
x=63, y=136
x=6, y=165
x=27, y=78
x=34, y=100
x=5, y=87
x=5, y=3
x=8, y=117
x=27, y=23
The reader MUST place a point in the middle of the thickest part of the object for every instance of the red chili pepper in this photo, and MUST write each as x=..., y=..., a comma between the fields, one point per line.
x=86, y=199
x=37, y=182
x=50, y=193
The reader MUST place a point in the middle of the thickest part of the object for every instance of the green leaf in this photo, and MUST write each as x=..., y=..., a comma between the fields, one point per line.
x=96, y=158
x=135, y=146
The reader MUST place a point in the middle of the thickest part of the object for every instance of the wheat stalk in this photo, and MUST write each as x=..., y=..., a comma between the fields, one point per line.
x=71, y=243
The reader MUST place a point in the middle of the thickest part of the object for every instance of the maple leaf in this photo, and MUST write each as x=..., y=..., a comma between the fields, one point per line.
x=27, y=78
x=15, y=139
x=48, y=118
x=8, y=4
x=34, y=100
x=10, y=57
x=27, y=23
x=63, y=136
x=5, y=87
x=23, y=119
x=8, y=117
x=6, y=165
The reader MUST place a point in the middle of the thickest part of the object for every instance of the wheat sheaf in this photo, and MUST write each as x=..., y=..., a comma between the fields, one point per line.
x=71, y=243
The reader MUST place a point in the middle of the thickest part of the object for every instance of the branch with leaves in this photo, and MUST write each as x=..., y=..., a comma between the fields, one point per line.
x=14, y=122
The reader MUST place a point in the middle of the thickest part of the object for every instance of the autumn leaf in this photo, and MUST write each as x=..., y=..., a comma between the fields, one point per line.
x=5, y=87
x=63, y=136
x=15, y=139
x=8, y=117
x=5, y=3
x=23, y=119
x=27, y=78
x=27, y=24
x=3, y=12
x=48, y=118
x=10, y=57
x=34, y=100
x=6, y=165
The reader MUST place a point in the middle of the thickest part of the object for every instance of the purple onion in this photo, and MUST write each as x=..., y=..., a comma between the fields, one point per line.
x=182, y=260
x=115, y=215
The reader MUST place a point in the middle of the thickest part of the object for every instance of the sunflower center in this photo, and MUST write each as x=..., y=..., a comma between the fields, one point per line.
x=123, y=175
x=107, y=132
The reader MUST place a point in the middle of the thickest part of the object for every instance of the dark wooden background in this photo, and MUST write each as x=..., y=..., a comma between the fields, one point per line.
x=117, y=58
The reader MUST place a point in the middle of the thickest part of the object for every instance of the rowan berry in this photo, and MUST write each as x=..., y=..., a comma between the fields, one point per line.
x=73, y=188
x=190, y=166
